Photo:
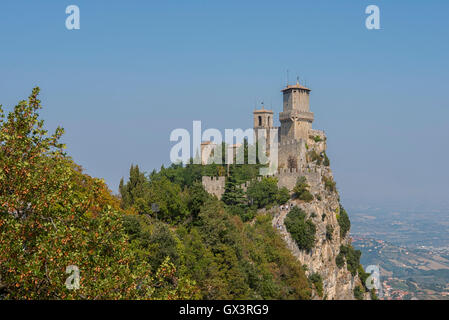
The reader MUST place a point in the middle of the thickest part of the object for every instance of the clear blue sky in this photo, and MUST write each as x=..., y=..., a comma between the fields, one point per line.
x=138, y=69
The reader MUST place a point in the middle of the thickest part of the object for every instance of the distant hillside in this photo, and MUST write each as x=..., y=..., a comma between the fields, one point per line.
x=407, y=273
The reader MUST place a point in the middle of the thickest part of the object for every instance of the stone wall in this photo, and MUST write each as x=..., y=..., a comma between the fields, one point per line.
x=288, y=177
x=214, y=185
x=292, y=148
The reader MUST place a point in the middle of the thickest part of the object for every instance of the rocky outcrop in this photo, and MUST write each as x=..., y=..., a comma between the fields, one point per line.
x=338, y=283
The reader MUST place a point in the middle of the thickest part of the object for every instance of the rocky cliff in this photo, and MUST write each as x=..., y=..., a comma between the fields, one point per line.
x=338, y=282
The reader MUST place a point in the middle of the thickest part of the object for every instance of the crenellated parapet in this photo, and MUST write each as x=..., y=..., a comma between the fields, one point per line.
x=214, y=185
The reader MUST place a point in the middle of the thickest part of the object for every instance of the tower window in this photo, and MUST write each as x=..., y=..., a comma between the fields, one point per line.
x=260, y=121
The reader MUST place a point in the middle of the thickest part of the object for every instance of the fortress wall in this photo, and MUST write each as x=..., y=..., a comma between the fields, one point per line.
x=292, y=148
x=288, y=178
x=214, y=185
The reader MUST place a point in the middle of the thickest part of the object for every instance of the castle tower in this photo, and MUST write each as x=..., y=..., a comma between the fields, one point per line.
x=296, y=118
x=263, y=119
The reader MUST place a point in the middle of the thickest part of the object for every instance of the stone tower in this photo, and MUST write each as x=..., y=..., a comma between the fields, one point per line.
x=263, y=119
x=296, y=118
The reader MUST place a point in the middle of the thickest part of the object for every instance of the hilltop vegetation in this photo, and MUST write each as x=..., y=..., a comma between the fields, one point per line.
x=189, y=246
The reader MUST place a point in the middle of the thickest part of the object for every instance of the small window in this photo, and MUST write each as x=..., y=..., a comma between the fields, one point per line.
x=260, y=121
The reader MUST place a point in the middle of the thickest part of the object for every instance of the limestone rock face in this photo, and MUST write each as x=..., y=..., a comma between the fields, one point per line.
x=338, y=283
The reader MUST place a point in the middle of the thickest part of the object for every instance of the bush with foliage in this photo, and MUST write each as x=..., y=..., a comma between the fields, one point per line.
x=326, y=161
x=301, y=229
x=358, y=293
x=317, y=282
x=263, y=193
x=301, y=190
x=53, y=216
x=313, y=156
x=344, y=222
x=329, y=232
x=351, y=256
x=329, y=184
x=283, y=195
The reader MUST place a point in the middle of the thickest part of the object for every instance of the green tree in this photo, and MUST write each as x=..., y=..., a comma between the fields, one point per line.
x=233, y=195
x=135, y=192
x=53, y=216
x=301, y=229
x=263, y=193
x=283, y=195
x=196, y=198
x=170, y=199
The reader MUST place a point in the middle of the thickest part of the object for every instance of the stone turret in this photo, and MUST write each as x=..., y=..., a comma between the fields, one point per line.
x=263, y=119
x=296, y=118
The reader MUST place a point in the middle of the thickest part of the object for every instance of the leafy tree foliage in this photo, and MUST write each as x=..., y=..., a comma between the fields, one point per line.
x=317, y=281
x=266, y=193
x=230, y=259
x=283, y=195
x=352, y=258
x=135, y=191
x=233, y=195
x=302, y=230
x=358, y=293
x=52, y=216
x=344, y=222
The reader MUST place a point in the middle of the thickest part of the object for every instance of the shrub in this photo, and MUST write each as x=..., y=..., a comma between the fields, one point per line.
x=358, y=293
x=329, y=184
x=317, y=281
x=302, y=230
x=283, y=195
x=344, y=222
x=301, y=190
x=265, y=193
x=351, y=256
x=362, y=274
x=340, y=260
x=314, y=156
x=326, y=161
x=329, y=232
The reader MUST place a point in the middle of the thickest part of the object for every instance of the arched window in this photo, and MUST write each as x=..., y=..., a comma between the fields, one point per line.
x=268, y=124
x=260, y=121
